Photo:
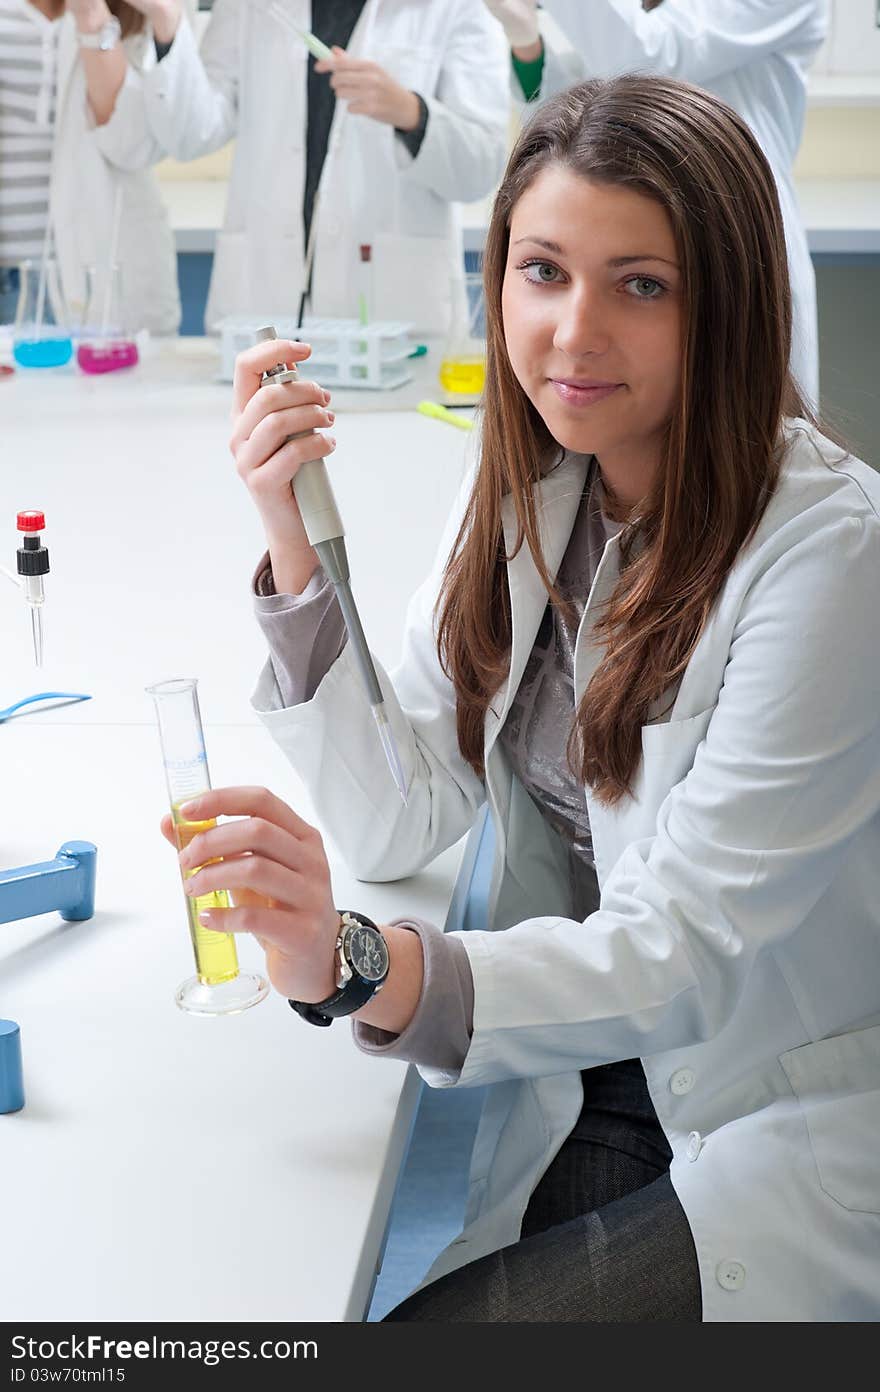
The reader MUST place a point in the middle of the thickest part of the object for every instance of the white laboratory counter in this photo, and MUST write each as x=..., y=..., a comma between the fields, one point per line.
x=166, y=1167
x=153, y=538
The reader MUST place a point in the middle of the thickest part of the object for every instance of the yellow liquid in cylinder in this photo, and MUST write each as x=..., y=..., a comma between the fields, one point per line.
x=215, y=954
x=465, y=375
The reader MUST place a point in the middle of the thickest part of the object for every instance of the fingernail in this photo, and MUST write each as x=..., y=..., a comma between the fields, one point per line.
x=325, y=394
x=332, y=440
x=188, y=809
x=205, y=918
x=331, y=416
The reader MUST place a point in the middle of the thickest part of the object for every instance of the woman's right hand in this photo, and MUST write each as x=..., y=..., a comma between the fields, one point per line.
x=519, y=19
x=267, y=461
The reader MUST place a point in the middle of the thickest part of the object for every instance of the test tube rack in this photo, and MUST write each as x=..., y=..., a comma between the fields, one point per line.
x=345, y=353
x=65, y=884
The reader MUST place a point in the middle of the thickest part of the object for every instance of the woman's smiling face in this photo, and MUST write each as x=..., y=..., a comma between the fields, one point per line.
x=593, y=315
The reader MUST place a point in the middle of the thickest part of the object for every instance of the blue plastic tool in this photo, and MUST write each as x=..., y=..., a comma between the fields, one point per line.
x=11, y=1080
x=42, y=696
x=66, y=883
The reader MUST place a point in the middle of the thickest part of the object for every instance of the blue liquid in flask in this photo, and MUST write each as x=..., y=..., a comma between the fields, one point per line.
x=43, y=352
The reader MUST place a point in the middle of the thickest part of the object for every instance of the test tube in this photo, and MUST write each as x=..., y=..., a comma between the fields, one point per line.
x=219, y=987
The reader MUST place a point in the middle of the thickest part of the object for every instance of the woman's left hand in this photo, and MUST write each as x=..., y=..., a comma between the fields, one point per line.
x=370, y=90
x=274, y=866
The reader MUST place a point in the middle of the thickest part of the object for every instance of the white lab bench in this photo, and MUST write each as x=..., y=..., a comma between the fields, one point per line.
x=167, y=1167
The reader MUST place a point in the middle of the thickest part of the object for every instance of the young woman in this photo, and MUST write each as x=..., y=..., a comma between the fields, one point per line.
x=755, y=56
x=62, y=67
x=651, y=643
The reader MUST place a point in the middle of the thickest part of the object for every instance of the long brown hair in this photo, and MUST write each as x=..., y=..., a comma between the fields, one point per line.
x=689, y=152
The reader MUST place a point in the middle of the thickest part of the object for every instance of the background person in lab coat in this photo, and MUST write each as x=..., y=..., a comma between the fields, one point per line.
x=56, y=98
x=754, y=54
x=650, y=643
x=420, y=123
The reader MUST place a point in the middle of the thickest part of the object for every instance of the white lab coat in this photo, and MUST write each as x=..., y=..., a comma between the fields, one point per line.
x=251, y=83
x=753, y=54
x=87, y=170
x=736, y=948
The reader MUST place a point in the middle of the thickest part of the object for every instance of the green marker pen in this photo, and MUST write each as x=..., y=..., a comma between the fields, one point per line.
x=438, y=412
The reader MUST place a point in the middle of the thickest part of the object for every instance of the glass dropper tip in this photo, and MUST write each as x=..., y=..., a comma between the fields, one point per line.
x=37, y=632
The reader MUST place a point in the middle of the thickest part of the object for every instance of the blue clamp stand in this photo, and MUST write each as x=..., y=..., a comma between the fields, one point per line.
x=11, y=1084
x=65, y=884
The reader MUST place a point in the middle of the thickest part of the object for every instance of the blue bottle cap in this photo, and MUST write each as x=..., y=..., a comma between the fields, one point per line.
x=11, y=1080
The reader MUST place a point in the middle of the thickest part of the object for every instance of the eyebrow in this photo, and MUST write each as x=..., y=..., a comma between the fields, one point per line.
x=616, y=261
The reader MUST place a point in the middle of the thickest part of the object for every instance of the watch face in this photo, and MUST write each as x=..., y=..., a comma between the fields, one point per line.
x=368, y=953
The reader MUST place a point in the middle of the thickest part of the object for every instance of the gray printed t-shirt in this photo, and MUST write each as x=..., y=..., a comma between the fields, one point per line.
x=306, y=634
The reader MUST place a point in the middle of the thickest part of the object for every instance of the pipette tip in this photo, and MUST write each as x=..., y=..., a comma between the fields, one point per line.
x=37, y=631
x=388, y=744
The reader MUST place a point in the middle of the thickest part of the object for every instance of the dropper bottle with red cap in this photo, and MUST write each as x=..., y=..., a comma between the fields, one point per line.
x=33, y=564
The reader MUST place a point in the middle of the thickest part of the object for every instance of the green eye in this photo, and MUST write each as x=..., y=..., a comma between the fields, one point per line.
x=646, y=288
x=540, y=272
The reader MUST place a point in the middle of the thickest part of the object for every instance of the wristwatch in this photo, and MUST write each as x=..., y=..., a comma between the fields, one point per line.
x=105, y=38
x=361, y=969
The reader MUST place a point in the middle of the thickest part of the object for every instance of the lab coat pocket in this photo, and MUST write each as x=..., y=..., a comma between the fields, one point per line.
x=412, y=65
x=837, y=1083
x=412, y=280
x=229, y=290
x=672, y=736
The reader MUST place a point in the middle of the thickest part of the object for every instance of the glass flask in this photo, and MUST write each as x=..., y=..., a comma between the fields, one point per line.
x=104, y=345
x=463, y=364
x=41, y=337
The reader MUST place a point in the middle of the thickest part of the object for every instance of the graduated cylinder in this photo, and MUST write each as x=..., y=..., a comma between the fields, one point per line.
x=219, y=987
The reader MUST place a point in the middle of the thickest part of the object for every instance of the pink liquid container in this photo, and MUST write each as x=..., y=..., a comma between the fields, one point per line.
x=106, y=355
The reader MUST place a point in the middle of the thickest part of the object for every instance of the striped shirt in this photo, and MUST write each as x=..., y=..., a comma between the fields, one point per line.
x=28, y=72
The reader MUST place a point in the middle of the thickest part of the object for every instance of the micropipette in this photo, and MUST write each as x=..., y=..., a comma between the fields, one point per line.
x=324, y=529
x=33, y=564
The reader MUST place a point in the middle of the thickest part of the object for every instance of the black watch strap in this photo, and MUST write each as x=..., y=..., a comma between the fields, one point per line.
x=346, y=1000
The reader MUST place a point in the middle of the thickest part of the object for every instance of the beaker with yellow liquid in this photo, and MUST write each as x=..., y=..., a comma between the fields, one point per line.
x=463, y=363
x=219, y=986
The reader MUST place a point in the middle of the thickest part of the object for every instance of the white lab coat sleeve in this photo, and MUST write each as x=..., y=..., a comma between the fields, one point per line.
x=191, y=97
x=127, y=140
x=744, y=846
x=462, y=155
x=333, y=744
x=693, y=40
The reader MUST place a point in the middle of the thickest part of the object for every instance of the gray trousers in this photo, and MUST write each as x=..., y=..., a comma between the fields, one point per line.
x=604, y=1238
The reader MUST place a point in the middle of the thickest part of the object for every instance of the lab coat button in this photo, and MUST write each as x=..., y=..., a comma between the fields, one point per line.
x=730, y=1275
x=682, y=1081
x=694, y=1145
